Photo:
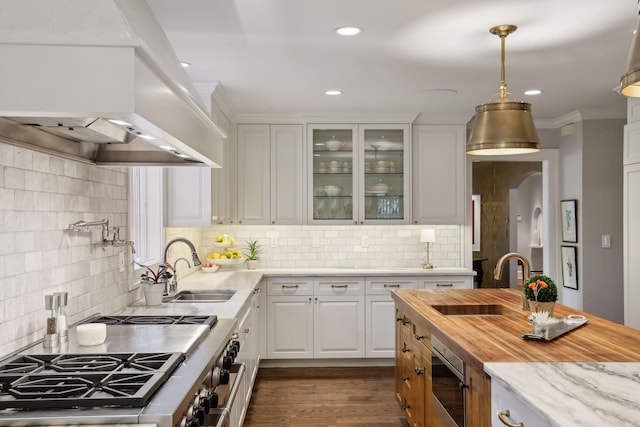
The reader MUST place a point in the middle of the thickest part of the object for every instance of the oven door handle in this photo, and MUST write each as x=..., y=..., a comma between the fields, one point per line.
x=225, y=411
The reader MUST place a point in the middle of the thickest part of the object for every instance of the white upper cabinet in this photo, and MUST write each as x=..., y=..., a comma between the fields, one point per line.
x=438, y=174
x=270, y=174
x=359, y=174
x=187, y=196
x=253, y=174
x=287, y=174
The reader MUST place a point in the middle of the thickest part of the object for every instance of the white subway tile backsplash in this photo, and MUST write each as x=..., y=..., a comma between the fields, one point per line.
x=339, y=246
x=40, y=196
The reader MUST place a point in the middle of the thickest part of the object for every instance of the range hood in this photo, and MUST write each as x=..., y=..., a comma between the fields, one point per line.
x=98, y=81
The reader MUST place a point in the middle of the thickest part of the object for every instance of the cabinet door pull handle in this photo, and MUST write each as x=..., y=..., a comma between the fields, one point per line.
x=404, y=379
x=391, y=285
x=444, y=285
x=505, y=417
x=404, y=350
x=419, y=337
x=405, y=407
x=419, y=371
x=289, y=286
x=339, y=286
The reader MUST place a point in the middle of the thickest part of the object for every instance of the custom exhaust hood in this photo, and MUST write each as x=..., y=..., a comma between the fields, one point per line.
x=98, y=81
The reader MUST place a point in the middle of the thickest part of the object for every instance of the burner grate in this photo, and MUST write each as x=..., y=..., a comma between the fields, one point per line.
x=156, y=320
x=84, y=380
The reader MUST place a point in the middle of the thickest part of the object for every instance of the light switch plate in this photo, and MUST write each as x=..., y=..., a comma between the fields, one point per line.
x=121, y=262
x=606, y=241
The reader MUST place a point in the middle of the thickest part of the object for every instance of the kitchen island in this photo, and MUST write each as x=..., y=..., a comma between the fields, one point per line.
x=485, y=326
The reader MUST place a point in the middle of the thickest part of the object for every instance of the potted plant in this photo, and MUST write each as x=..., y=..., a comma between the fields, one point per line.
x=541, y=292
x=253, y=255
x=155, y=282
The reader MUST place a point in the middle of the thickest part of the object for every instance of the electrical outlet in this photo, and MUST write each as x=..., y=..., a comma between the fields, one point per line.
x=606, y=241
x=121, y=262
x=274, y=242
x=365, y=242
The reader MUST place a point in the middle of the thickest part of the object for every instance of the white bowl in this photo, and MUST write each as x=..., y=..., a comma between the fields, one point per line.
x=211, y=269
x=332, y=190
x=91, y=333
x=334, y=170
x=333, y=144
x=322, y=170
x=226, y=261
x=379, y=187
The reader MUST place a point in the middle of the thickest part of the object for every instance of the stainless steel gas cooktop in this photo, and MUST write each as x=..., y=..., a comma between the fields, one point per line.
x=39, y=381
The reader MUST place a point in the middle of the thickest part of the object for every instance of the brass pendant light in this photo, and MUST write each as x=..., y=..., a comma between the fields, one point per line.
x=630, y=81
x=503, y=127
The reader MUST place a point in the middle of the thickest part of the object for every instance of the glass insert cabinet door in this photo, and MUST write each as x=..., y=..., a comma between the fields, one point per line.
x=358, y=173
x=384, y=160
x=334, y=183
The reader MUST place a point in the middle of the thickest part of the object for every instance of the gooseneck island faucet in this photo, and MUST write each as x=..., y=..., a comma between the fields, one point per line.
x=173, y=285
x=526, y=270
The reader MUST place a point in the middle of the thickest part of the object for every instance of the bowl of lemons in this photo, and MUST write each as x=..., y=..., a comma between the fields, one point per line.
x=230, y=257
x=224, y=241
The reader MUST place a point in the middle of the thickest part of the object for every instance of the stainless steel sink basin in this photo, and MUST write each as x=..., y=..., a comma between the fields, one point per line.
x=200, y=296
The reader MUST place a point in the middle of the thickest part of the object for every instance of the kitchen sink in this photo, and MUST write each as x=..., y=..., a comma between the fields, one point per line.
x=475, y=310
x=200, y=296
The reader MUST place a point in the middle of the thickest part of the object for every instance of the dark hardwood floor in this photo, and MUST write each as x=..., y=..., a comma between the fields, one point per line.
x=324, y=397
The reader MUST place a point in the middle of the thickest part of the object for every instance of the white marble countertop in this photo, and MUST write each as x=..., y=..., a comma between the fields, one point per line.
x=570, y=394
x=454, y=271
x=243, y=281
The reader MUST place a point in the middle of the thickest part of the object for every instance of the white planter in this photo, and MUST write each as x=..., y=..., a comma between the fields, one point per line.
x=252, y=264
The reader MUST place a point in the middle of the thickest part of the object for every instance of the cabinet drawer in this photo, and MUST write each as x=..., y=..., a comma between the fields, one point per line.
x=448, y=282
x=339, y=286
x=384, y=285
x=503, y=400
x=289, y=286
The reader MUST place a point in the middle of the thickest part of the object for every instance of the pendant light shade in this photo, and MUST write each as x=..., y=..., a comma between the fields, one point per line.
x=504, y=126
x=630, y=81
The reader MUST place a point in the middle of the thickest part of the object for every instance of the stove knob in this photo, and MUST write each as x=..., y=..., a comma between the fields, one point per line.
x=204, y=401
x=235, y=344
x=232, y=353
x=196, y=415
x=227, y=361
x=187, y=422
x=223, y=377
x=214, y=399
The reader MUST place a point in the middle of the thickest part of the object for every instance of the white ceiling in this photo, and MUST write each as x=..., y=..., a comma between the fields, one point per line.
x=279, y=56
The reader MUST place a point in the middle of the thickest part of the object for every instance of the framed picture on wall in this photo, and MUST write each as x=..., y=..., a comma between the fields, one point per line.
x=568, y=210
x=569, y=267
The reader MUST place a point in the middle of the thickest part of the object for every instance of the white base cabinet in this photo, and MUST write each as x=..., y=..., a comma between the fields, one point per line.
x=321, y=318
x=339, y=317
x=380, y=314
x=502, y=400
x=250, y=331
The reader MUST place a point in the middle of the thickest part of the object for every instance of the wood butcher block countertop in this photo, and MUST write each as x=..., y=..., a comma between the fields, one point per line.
x=498, y=338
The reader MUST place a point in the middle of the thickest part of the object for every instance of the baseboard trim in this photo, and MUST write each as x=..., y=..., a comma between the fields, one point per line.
x=324, y=363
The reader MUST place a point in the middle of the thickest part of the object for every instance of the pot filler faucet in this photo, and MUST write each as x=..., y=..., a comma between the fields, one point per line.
x=173, y=286
x=497, y=273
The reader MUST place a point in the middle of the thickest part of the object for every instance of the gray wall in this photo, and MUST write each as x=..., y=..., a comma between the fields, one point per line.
x=591, y=173
x=602, y=214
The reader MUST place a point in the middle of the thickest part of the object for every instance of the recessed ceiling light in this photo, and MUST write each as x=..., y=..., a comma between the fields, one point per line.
x=333, y=92
x=533, y=92
x=185, y=64
x=348, y=31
